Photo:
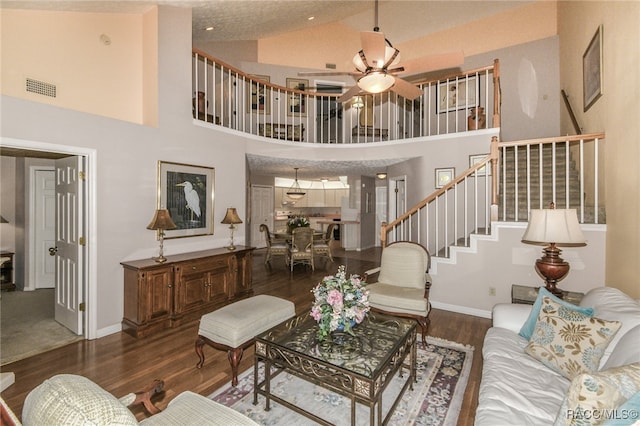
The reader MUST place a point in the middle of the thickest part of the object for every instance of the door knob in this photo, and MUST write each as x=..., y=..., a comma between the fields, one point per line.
x=53, y=251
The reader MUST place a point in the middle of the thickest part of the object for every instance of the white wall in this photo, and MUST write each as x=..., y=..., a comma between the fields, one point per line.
x=462, y=283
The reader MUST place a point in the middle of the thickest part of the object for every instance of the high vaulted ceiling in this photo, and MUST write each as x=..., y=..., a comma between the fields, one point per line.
x=234, y=20
x=256, y=19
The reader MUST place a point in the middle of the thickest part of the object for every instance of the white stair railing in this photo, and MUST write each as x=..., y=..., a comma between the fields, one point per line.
x=228, y=97
x=505, y=186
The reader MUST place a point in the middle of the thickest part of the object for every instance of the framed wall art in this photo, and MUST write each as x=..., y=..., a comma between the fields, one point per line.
x=259, y=95
x=453, y=95
x=592, y=70
x=444, y=176
x=475, y=159
x=297, y=102
x=187, y=192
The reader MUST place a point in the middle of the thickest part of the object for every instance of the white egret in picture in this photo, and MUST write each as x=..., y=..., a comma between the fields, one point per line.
x=192, y=199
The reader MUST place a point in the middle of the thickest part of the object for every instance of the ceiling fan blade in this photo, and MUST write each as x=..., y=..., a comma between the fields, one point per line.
x=349, y=94
x=434, y=62
x=373, y=46
x=321, y=73
x=406, y=89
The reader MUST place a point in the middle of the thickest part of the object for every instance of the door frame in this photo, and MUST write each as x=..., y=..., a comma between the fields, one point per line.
x=30, y=282
x=91, y=259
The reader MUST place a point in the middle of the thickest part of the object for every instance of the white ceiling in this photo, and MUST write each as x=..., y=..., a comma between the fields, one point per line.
x=400, y=20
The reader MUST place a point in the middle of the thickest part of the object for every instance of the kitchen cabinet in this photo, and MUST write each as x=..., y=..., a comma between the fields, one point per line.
x=313, y=197
x=186, y=286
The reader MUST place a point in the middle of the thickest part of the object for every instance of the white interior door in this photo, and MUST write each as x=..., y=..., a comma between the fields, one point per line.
x=69, y=250
x=261, y=213
x=44, y=228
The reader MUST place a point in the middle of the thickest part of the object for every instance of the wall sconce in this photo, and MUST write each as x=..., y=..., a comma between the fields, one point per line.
x=231, y=219
x=553, y=227
x=160, y=222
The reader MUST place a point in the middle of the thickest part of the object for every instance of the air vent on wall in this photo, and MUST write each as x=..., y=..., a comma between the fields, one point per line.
x=41, y=88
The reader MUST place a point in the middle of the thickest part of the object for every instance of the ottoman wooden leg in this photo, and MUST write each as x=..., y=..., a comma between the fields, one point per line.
x=199, y=351
x=235, y=356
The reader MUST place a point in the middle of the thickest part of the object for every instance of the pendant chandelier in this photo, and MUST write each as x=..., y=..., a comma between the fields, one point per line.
x=295, y=192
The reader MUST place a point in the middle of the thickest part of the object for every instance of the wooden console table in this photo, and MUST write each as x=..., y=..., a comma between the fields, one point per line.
x=527, y=295
x=186, y=286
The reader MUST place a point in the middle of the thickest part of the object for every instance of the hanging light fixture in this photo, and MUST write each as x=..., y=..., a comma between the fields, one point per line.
x=295, y=192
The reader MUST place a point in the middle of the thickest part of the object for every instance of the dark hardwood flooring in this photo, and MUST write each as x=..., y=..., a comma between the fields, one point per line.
x=122, y=364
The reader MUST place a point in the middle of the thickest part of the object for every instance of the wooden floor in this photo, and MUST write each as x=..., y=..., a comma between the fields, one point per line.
x=122, y=364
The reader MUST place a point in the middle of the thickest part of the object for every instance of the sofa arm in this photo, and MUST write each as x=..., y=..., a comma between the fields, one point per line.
x=510, y=315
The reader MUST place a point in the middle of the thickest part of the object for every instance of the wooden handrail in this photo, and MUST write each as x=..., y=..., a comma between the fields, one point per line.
x=493, y=157
x=262, y=82
x=571, y=138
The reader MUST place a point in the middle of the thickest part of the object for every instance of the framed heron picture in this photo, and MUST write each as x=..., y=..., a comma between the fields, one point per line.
x=187, y=192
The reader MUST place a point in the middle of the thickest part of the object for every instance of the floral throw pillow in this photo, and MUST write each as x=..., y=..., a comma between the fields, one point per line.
x=568, y=341
x=598, y=398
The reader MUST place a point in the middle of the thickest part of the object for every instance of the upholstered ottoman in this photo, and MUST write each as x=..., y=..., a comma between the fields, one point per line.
x=234, y=327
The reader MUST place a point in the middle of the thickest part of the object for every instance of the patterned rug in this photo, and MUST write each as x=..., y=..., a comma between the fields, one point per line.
x=442, y=370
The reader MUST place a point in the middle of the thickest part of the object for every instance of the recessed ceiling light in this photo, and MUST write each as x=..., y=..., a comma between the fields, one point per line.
x=311, y=18
x=209, y=29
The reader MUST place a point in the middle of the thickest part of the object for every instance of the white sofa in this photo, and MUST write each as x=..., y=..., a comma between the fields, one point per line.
x=517, y=389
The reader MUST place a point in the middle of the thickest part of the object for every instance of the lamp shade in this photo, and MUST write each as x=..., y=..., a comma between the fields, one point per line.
x=559, y=226
x=161, y=220
x=231, y=217
x=376, y=82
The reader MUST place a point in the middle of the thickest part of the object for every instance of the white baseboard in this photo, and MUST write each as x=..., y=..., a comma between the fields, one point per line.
x=461, y=309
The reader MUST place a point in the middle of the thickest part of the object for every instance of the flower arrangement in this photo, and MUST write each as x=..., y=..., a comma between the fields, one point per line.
x=340, y=303
x=298, y=221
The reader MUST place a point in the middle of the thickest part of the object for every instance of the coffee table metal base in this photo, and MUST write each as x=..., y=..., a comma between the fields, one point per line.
x=321, y=371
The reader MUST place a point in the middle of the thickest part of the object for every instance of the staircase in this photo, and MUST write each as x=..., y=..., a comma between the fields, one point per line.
x=523, y=175
x=529, y=180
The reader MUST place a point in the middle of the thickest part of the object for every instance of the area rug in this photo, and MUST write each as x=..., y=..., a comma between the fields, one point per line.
x=442, y=370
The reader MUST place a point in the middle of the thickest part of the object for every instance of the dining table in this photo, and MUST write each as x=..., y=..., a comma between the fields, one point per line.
x=286, y=235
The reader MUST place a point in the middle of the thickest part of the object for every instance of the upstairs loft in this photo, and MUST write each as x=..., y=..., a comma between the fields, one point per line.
x=228, y=97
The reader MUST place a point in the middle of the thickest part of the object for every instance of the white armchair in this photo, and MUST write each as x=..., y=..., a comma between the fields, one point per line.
x=403, y=283
x=69, y=400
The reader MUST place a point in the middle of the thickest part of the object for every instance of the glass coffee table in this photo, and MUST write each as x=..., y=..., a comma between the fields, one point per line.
x=359, y=367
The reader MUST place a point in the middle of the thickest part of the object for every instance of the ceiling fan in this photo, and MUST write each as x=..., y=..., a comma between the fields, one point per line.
x=378, y=64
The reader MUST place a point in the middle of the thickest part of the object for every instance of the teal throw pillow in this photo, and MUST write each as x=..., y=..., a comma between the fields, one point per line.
x=530, y=324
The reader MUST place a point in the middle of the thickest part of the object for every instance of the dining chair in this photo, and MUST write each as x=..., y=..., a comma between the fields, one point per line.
x=301, y=247
x=403, y=283
x=274, y=247
x=322, y=247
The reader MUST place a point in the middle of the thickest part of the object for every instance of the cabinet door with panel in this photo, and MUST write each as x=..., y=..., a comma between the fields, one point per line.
x=148, y=300
x=199, y=282
x=241, y=265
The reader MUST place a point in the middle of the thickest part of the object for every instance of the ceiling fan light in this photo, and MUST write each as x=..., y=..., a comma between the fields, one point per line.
x=376, y=82
x=388, y=54
x=359, y=63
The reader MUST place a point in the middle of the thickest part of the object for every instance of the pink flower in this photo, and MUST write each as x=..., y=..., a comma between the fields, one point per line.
x=316, y=313
x=334, y=298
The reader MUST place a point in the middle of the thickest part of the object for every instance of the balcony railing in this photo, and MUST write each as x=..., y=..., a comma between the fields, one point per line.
x=228, y=97
x=513, y=179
